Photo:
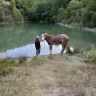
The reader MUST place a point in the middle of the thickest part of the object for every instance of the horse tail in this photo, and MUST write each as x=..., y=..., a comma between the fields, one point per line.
x=68, y=39
x=67, y=44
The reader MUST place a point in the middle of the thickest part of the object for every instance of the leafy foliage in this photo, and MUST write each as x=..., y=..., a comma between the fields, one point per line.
x=16, y=13
x=65, y=11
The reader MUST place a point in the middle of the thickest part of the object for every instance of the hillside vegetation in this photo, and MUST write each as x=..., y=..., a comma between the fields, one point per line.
x=79, y=13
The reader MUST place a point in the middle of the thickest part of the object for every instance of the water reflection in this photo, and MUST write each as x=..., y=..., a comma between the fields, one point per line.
x=13, y=38
x=29, y=51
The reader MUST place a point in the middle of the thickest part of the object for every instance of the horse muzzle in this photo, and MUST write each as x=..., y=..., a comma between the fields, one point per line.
x=43, y=37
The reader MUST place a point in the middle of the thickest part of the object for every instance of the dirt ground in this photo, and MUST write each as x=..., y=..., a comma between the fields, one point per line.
x=57, y=75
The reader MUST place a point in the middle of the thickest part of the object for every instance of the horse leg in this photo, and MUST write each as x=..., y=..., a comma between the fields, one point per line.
x=50, y=48
x=64, y=46
x=62, y=49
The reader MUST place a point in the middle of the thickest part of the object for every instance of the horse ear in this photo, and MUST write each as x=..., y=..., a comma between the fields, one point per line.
x=43, y=32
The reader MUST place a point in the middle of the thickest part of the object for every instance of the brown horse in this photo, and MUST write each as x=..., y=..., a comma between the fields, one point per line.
x=56, y=40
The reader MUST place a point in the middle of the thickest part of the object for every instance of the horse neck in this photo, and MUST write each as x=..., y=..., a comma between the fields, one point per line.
x=48, y=37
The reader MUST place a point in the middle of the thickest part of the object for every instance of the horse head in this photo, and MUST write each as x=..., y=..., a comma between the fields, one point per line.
x=43, y=35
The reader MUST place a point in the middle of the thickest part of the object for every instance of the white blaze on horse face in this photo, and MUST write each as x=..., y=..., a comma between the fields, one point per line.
x=43, y=37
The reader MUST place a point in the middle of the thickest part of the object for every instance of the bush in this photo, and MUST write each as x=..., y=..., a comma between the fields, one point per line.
x=89, y=52
x=8, y=61
x=77, y=25
x=5, y=67
x=17, y=14
x=22, y=59
x=91, y=55
x=72, y=50
x=87, y=48
x=37, y=60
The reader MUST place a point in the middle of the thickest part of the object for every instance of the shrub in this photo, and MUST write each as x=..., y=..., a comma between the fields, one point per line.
x=37, y=60
x=87, y=48
x=91, y=55
x=8, y=61
x=77, y=25
x=72, y=50
x=22, y=59
x=5, y=67
x=89, y=52
x=17, y=14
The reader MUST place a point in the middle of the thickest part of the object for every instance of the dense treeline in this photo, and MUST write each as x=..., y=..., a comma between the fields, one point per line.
x=76, y=12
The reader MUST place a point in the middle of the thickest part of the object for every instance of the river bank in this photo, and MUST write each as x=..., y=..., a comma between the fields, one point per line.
x=61, y=24
x=56, y=75
x=84, y=28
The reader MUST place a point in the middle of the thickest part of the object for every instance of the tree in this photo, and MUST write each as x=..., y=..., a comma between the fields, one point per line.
x=16, y=13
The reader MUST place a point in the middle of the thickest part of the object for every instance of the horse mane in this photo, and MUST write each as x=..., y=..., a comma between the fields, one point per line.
x=48, y=35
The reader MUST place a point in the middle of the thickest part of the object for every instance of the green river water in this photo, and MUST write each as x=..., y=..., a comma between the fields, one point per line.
x=18, y=39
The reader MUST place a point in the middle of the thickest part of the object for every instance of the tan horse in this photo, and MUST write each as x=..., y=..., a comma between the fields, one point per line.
x=56, y=40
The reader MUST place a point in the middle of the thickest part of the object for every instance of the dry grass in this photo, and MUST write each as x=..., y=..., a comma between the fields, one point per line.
x=57, y=75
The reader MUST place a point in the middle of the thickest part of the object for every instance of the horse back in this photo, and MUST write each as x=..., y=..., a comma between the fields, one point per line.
x=59, y=39
x=63, y=37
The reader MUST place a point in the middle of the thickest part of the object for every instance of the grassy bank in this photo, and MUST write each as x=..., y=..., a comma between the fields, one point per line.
x=57, y=75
